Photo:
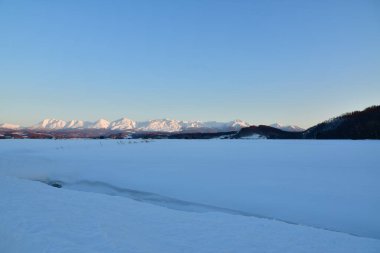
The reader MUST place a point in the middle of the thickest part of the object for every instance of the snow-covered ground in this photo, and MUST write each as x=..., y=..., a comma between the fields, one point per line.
x=189, y=196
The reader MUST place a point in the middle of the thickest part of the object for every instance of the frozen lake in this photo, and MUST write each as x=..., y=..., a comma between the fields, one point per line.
x=332, y=185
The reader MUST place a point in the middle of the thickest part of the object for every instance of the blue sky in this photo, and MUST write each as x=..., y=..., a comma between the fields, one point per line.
x=295, y=62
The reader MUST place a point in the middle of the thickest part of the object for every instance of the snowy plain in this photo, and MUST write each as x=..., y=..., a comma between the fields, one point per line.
x=192, y=196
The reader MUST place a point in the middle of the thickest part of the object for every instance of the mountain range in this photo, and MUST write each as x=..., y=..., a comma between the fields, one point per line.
x=157, y=125
x=354, y=125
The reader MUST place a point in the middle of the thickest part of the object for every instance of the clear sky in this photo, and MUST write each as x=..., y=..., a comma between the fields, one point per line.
x=297, y=62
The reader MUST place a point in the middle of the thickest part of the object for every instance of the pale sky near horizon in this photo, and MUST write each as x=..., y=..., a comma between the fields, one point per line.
x=293, y=62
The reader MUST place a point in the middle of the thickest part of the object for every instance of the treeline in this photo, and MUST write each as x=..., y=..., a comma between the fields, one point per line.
x=353, y=125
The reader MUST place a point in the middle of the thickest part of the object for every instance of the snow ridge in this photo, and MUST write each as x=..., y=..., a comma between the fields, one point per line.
x=9, y=126
x=156, y=125
x=289, y=128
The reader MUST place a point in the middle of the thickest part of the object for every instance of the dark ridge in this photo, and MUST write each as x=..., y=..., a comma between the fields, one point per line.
x=356, y=125
x=267, y=132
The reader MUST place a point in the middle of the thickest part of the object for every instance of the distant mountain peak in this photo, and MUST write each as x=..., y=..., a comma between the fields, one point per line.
x=238, y=123
x=122, y=124
x=160, y=125
x=289, y=128
x=100, y=124
x=77, y=124
x=9, y=126
x=50, y=124
x=154, y=125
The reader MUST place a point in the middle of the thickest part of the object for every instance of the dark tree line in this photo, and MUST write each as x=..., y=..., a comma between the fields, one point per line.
x=353, y=125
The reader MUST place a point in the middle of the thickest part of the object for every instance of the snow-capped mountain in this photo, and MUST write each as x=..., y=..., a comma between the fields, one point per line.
x=160, y=125
x=238, y=124
x=122, y=124
x=51, y=124
x=9, y=126
x=56, y=124
x=167, y=125
x=157, y=125
x=77, y=124
x=289, y=128
x=100, y=124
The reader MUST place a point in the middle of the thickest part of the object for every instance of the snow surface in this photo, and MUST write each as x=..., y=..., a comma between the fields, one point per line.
x=38, y=218
x=192, y=196
x=253, y=137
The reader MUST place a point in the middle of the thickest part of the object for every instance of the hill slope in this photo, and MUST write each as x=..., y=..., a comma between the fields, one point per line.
x=354, y=125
